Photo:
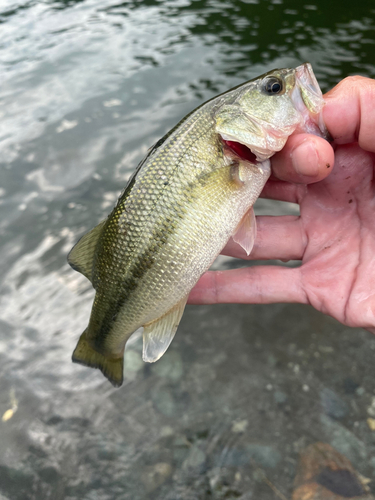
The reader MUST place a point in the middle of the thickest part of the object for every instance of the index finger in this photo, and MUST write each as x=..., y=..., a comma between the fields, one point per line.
x=349, y=113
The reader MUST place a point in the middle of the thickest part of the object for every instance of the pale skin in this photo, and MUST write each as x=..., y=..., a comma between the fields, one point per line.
x=334, y=236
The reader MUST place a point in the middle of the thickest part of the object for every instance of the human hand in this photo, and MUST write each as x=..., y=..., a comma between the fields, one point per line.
x=334, y=236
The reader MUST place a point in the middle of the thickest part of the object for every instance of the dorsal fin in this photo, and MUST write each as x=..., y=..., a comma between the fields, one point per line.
x=81, y=256
x=158, y=334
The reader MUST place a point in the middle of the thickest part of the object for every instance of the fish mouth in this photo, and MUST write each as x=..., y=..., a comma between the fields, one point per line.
x=239, y=150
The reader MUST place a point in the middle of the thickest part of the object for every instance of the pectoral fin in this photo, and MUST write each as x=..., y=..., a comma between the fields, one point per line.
x=158, y=334
x=81, y=256
x=246, y=231
x=111, y=368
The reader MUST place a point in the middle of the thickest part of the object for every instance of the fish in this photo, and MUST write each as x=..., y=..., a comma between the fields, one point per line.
x=192, y=192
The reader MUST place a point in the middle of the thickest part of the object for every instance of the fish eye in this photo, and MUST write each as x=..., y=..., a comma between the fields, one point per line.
x=272, y=85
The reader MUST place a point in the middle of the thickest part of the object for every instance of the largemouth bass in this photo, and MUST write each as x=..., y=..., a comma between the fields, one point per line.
x=191, y=193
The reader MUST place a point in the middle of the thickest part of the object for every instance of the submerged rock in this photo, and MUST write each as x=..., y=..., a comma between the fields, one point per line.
x=325, y=474
x=332, y=404
x=154, y=476
x=265, y=456
x=164, y=402
x=169, y=367
x=196, y=458
x=343, y=440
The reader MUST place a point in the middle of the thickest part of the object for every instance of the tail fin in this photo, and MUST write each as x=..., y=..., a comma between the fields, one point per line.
x=111, y=368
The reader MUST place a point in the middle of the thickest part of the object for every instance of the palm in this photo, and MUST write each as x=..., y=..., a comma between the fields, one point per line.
x=334, y=238
x=337, y=217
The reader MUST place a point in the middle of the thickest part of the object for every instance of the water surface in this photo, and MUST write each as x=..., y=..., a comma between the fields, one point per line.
x=86, y=88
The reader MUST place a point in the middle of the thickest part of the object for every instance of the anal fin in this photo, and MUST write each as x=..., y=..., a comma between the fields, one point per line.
x=246, y=231
x=158, y=334
x=112, y=369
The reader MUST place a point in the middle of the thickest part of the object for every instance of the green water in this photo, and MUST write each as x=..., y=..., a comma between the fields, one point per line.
x=86, y=87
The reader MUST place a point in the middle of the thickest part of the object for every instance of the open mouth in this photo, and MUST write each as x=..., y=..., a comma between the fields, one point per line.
x=240, y=150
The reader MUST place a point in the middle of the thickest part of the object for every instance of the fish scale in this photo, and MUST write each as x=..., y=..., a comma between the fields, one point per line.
x=191, y=193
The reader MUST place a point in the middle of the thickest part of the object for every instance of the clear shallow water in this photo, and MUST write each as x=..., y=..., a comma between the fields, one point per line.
x=85, y=89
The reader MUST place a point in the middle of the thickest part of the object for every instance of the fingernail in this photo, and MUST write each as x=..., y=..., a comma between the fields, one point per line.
x=305, y=159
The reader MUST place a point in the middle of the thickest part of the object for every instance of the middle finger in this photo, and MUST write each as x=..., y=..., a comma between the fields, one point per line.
x=281, y=238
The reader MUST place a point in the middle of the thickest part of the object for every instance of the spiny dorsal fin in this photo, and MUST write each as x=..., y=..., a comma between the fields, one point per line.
x=81, y=256
x=158, y=334
x=246, y=231
x=111, y=368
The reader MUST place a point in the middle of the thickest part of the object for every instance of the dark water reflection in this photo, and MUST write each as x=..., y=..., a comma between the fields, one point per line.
x=86, y=88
